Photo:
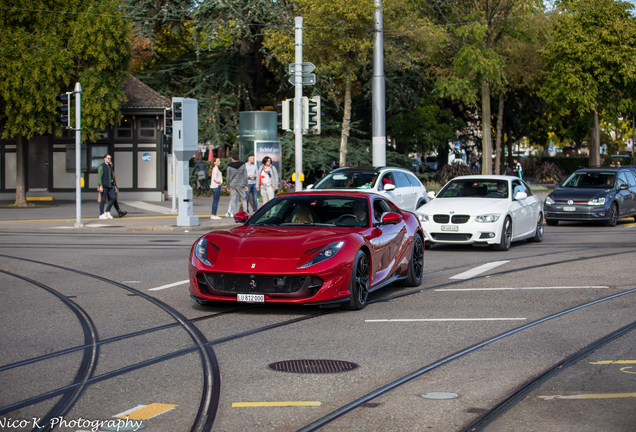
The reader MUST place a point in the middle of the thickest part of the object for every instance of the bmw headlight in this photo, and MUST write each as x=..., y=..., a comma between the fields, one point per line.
x=597, y=201
x=201, y=252
x=549, y=200
x=325, y=253
x=422, y=217
x=488, y=218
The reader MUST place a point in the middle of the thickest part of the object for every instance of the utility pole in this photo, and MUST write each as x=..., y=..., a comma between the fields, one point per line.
x=378, y=90
x=298, y=101
x=78, y=154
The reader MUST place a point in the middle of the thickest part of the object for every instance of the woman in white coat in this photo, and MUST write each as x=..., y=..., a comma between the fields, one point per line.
x=268, y=180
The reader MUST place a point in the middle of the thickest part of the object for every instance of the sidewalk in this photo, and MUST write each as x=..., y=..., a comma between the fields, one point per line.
x=142, y=216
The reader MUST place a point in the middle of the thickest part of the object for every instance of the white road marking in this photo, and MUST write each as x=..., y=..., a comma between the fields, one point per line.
x=445, y=319
x=183, y=282
x=479, y=270
x=524, y=288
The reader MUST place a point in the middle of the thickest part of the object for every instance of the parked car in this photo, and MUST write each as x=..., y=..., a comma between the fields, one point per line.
x=593, y=194
x=310, y=248
x=494, y=210
x=397, y=184
x=431, y=163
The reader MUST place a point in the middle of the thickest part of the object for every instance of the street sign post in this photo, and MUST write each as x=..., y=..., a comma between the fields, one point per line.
x=307, y=67
x=307, y=79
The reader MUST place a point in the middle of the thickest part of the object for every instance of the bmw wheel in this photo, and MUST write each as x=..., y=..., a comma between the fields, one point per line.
x=538, y=234
x=506, y=236
x=359, y=285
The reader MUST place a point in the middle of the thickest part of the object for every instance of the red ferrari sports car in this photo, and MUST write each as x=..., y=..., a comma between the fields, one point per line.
x=310, y=248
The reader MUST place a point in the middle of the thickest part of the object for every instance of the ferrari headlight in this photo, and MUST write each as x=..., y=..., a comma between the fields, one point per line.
x=549, y=200
x=597, y=201
x=488, y=218
x=422, y=217
x=325, y=253
x=201, y=252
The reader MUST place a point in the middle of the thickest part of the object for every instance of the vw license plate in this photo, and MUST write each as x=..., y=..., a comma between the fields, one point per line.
x=450, y=228
x=569, y=208
x=251, y=298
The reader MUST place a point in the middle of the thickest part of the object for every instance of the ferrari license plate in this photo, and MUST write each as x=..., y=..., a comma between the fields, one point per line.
x=450, y=228
x=251, y=298
x=569, y=208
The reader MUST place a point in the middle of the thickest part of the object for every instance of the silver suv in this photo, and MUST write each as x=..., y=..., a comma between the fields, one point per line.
x=397, y=184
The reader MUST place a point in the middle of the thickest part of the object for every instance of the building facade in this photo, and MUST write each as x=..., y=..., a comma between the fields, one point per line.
x=136, y=144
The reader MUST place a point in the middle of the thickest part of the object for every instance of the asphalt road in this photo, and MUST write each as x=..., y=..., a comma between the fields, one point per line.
x=97, y=324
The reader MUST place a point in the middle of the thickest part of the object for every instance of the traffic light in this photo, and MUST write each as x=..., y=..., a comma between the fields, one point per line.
x=285, y=115
x=176, y=111
x=312, y=119
x=167, y=122
x=64, y=109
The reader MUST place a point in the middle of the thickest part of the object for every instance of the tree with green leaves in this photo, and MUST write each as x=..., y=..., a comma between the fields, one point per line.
x=469, y=65
x=47, y=46
x=592, y=58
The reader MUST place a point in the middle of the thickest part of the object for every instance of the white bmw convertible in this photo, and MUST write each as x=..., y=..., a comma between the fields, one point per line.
x=494, y=210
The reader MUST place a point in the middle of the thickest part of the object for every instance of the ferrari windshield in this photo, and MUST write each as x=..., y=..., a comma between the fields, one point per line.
x=475, y=188
x=590, y=180
x=313, y=211
x=348, y=180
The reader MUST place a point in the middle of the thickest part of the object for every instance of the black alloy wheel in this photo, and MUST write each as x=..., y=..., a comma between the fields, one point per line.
x=538, y=234
x=506, y=236
x=359, y=285
x=612, y=219
x=416, y=265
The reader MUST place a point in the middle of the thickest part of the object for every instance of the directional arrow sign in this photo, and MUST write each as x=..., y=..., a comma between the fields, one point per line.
x=307, y=67
x=308, y=79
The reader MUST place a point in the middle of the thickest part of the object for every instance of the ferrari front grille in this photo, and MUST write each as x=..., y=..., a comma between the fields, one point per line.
x=262, y=284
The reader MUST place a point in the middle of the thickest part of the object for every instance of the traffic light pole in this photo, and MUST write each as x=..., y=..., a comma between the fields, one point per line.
x=78, y=154
x=298, y=83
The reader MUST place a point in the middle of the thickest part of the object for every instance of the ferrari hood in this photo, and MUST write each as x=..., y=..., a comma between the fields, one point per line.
x=470, y=206
x=272, y=243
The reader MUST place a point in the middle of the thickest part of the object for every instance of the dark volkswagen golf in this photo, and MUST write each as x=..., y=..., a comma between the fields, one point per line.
x=593, y=194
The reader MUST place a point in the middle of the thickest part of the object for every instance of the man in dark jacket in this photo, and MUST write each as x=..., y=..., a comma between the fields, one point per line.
x=237, y=184
x=106, y=187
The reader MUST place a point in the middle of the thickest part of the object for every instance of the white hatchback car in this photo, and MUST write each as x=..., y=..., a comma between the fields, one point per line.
x=399, y=185
x=494, y=210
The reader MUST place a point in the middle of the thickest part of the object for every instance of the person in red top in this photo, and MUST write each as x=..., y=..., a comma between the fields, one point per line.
x=268, y=180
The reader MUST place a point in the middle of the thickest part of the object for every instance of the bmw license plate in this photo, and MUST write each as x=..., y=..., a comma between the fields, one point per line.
x=450, y=228
x=569, y=208
x=251, y=298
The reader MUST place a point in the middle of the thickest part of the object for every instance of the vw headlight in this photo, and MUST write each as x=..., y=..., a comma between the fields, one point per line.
x=422, y=217
x=488, y=218
x=597, y=201
x=549, y=200
x=201, y=252
x=326, y=253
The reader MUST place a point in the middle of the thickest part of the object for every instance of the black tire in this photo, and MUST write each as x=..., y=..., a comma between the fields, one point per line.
x=416, y=265
x=207, y=192
x=538, y=234
x=552, y=222
x=612, y=219
x=359, y=285
x=506, y=236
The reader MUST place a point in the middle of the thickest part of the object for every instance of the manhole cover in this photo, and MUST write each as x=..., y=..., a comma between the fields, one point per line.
x=440, y=395
x=313, y=366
